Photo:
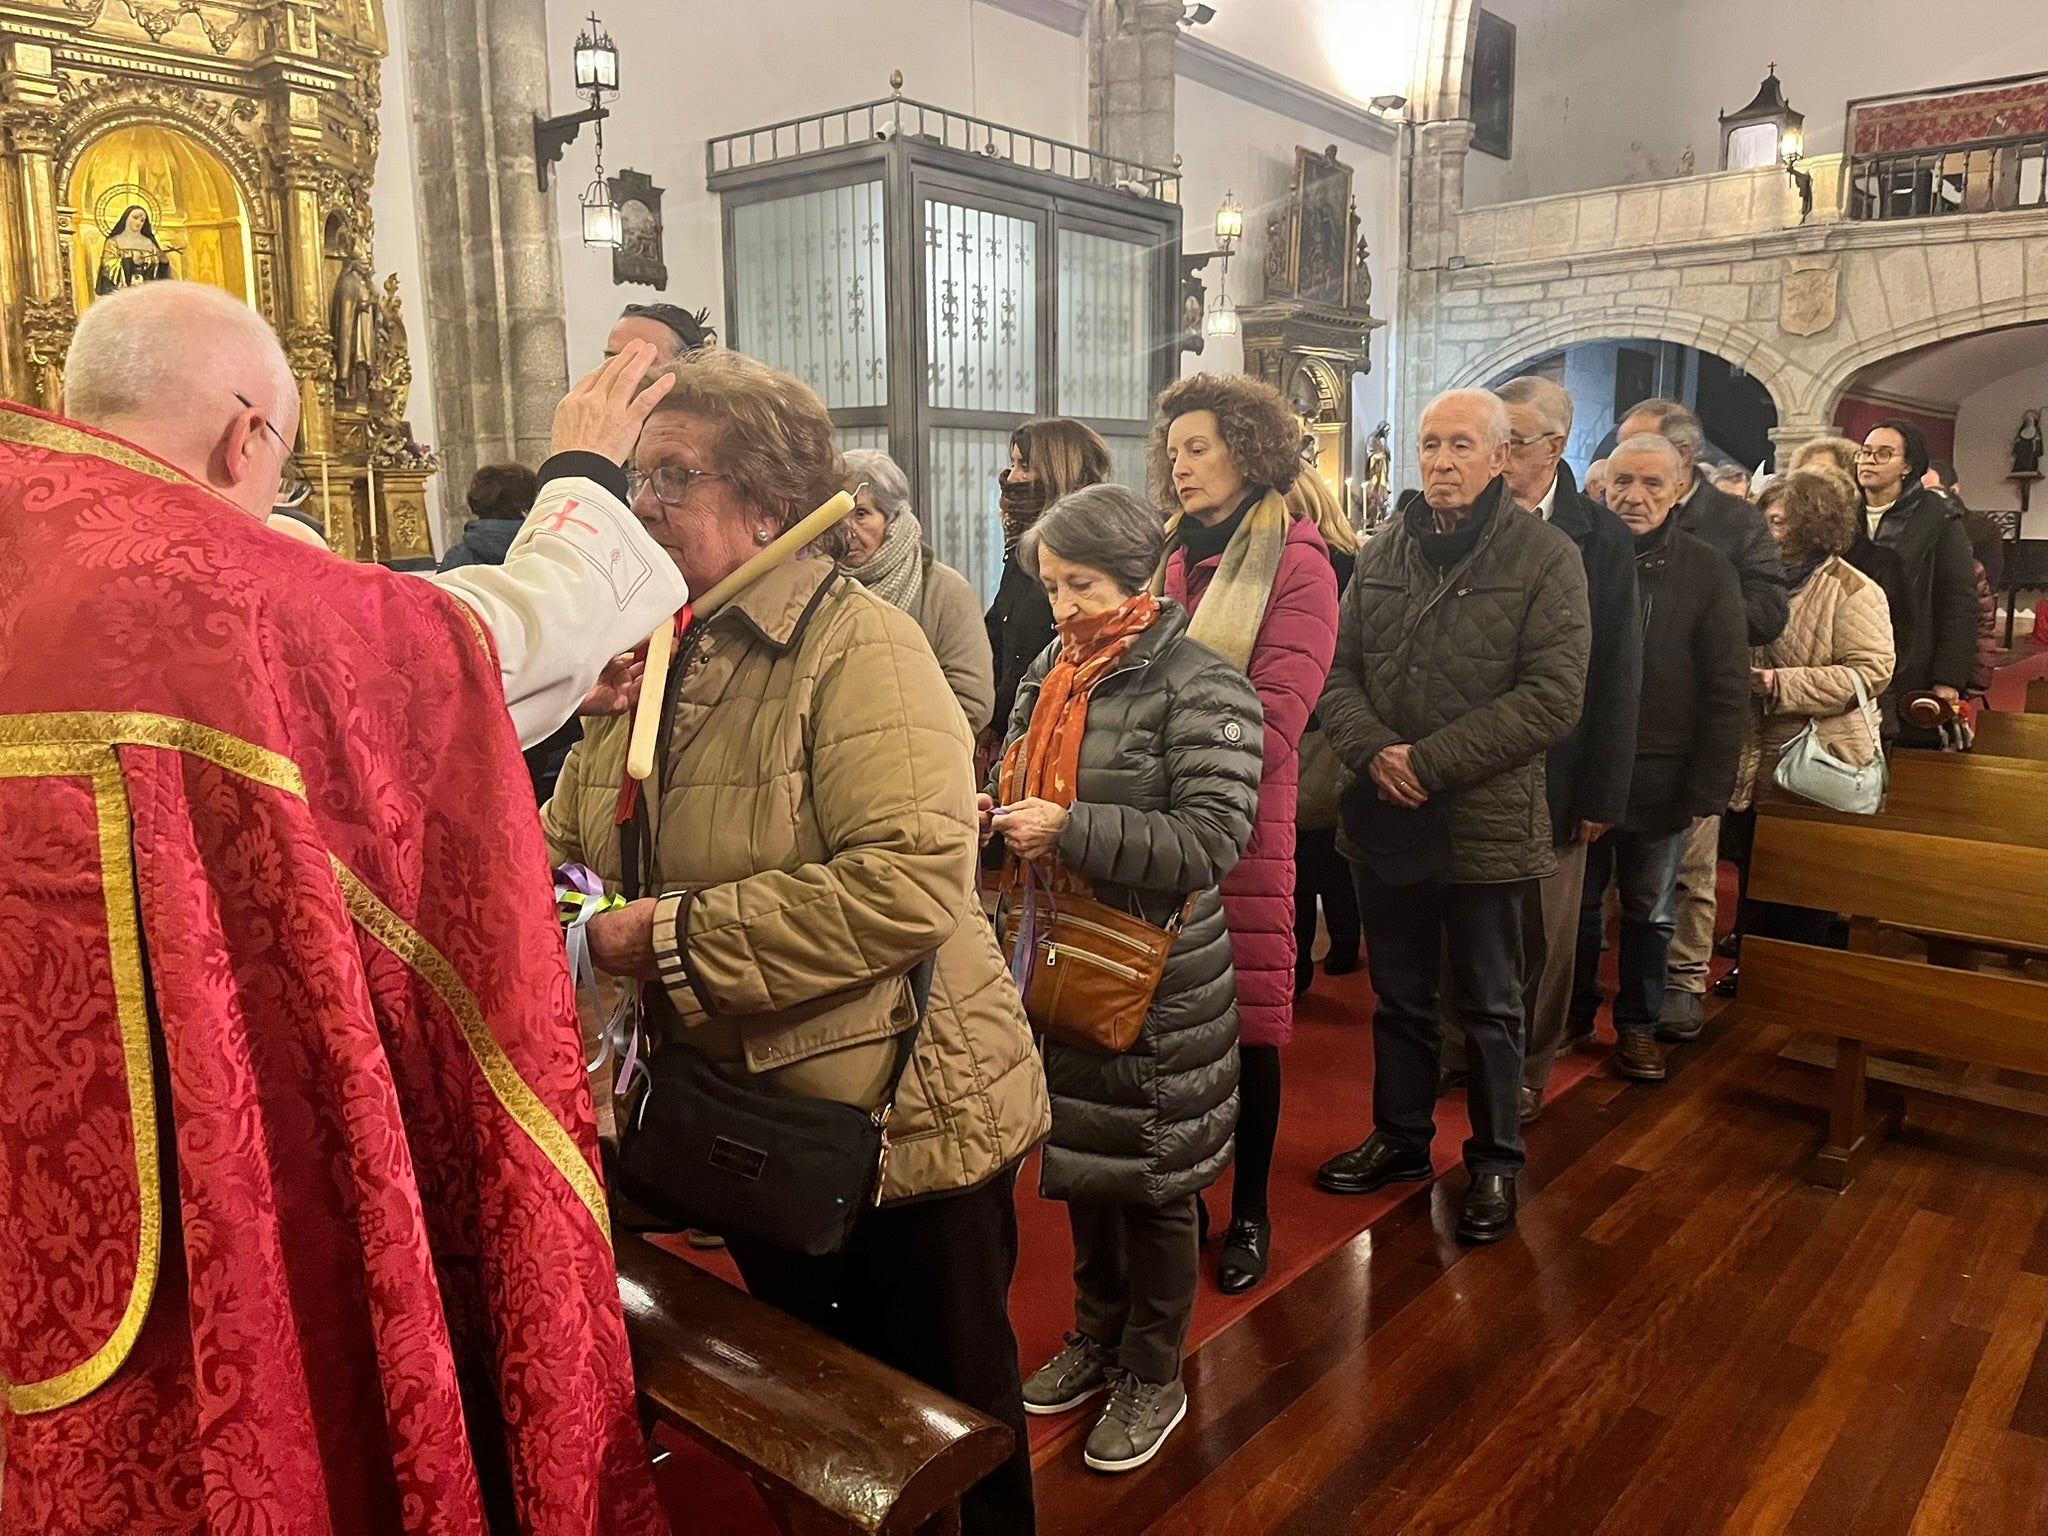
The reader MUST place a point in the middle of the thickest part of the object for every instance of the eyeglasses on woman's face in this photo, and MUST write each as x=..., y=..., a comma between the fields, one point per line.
x=1876, y=455
x=671, y=483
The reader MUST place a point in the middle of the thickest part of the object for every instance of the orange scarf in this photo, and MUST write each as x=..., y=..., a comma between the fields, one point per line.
x=1044, y=762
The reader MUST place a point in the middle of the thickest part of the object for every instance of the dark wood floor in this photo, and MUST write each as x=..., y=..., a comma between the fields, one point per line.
x=1685, y=1338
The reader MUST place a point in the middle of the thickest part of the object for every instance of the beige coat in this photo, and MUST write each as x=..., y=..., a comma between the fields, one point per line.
x=1840, y=623
x=817, y=814
x=949, y=613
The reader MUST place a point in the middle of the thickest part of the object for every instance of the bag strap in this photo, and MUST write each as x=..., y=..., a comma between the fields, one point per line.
x=1871, y=717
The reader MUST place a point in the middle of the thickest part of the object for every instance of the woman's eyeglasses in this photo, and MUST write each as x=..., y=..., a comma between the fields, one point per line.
x=1876, y=455
x=670, y=483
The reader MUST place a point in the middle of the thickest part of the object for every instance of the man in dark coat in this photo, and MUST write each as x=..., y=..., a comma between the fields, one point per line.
x=1586, y=775
x=1938, y=643
x=1695, y=700
x=1737, y=529
x=1461, y=661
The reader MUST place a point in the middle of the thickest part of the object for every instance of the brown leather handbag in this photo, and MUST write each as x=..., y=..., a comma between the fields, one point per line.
x=1089, y=970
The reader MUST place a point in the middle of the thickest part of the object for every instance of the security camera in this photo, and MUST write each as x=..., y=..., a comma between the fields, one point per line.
x=1197, y=15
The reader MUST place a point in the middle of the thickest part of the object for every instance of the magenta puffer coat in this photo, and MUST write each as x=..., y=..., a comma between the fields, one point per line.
x=1297, y=637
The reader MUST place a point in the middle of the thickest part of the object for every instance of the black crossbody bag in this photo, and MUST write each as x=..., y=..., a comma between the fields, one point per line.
x=705, y=1152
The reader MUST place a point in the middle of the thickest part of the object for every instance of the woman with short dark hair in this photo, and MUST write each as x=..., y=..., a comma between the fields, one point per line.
x=1131, y=774
x=1260, y=591
x=500, y=496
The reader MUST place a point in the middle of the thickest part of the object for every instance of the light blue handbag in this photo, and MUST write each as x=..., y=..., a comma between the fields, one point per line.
x=1811, y=771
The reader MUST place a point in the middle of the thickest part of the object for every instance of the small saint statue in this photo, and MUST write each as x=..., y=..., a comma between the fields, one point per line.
x=132, y=254
x=2026, y=448
x=352, y=319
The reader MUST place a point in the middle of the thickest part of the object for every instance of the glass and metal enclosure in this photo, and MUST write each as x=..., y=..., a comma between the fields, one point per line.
x=938, y=279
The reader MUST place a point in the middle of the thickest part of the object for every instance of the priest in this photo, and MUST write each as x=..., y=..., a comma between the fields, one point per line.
x=301, y=1222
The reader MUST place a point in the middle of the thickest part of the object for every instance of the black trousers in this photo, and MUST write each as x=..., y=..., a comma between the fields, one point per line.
x=925, y=1287
x=1134, y=1281
x=1410, y=931
x=1322, y=873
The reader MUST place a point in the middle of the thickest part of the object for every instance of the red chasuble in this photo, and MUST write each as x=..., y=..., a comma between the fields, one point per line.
x=301, y=1227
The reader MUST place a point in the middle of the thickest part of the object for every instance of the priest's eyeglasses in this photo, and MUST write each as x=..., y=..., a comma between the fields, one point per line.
x=292, y=484
x=671, y=483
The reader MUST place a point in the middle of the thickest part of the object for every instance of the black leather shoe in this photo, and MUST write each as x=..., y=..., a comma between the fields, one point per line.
x=1246, y=1247
x=1730, y=984
x=1365, y=1168
x=1528, y=1106
x=1489, y=1213
x=1335, y=964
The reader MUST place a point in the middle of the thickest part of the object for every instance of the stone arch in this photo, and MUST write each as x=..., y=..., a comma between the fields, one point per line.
x=1443, y=65
x=1736, y=344
x=1834, y=376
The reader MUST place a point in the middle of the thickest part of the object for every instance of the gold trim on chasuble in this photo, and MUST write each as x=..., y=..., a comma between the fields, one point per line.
x=82, y=745
x=519, y=1101
x=96, y=761
x=63, y=437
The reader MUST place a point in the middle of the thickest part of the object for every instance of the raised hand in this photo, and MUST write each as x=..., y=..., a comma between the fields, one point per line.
x=605, y=409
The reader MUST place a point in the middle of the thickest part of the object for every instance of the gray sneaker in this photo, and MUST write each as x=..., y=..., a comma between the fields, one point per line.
x=1069, y=1378
x=1682, y=1017
x=1136, y=1423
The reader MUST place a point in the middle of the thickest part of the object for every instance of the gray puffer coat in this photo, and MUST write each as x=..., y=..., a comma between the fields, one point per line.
x=1164, y=803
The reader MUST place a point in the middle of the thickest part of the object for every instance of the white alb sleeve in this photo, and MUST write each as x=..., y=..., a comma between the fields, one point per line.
x=581, y=583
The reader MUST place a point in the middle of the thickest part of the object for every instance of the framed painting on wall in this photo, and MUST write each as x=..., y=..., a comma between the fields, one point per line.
x=1493, y=87
x=1315, y=262
x=638, y=257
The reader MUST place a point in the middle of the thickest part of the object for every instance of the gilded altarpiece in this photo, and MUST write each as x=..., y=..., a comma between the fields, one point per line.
x=230, y=142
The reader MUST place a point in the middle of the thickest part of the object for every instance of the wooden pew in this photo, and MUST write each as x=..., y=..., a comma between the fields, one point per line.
x=1963, y=892
x=2001, y=733
x=1945, y=794
x=836, y=1442
x=2037, y=696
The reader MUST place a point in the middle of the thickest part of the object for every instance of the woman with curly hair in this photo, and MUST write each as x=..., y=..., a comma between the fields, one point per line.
x=1258, y=584
x=1839, y=633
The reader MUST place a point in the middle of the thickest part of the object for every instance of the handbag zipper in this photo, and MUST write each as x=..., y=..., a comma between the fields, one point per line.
x=1071, y=921
x=1054, y=951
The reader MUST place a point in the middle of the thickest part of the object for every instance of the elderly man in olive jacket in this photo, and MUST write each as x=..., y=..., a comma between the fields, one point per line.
x=1461, y=660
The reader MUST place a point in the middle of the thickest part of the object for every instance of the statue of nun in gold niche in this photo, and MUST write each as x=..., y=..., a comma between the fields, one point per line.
x=132, y=253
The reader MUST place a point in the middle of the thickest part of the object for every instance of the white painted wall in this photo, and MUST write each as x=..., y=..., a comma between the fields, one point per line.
x=1986, y=423
x=695, y=72
x=399, y=224
x=1229, y=145
x=1609, y=93
x=1356, y=49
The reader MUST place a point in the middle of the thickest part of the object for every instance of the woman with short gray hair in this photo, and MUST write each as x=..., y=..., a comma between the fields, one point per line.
x=1132, y=774
x=887, y=554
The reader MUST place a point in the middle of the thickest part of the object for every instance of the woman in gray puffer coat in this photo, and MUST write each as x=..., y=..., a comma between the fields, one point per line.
x=1133, y=763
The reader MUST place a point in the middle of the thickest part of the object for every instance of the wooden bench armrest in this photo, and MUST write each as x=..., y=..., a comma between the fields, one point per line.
x=813, y=1422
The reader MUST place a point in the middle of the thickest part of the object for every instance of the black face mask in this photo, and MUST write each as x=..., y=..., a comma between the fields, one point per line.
x=1022, y=503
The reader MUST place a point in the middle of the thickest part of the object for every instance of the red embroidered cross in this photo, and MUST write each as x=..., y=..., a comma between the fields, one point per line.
x=557, y=519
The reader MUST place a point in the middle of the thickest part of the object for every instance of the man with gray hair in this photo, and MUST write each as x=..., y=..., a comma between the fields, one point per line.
x=268, y=809
x=1461, y=660
x=1585, y=775
x=1738, y=531
x=1695, y=705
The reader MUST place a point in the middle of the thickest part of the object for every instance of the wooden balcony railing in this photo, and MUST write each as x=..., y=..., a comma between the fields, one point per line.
x=1988, y=176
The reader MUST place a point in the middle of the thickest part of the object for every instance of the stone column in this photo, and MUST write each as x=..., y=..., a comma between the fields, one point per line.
x=1131, y=78
x=491, y=270
x=1788, y=437
x=1436, y=196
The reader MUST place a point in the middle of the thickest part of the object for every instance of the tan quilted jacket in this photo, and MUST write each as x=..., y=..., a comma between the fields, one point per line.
x=817, y=804
x=1839, y=622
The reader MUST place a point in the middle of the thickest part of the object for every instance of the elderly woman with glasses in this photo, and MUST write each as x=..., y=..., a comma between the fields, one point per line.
x=886, y=553
x=807, y=840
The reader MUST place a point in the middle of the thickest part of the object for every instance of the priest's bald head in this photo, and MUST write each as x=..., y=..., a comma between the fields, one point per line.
x=193, y=375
